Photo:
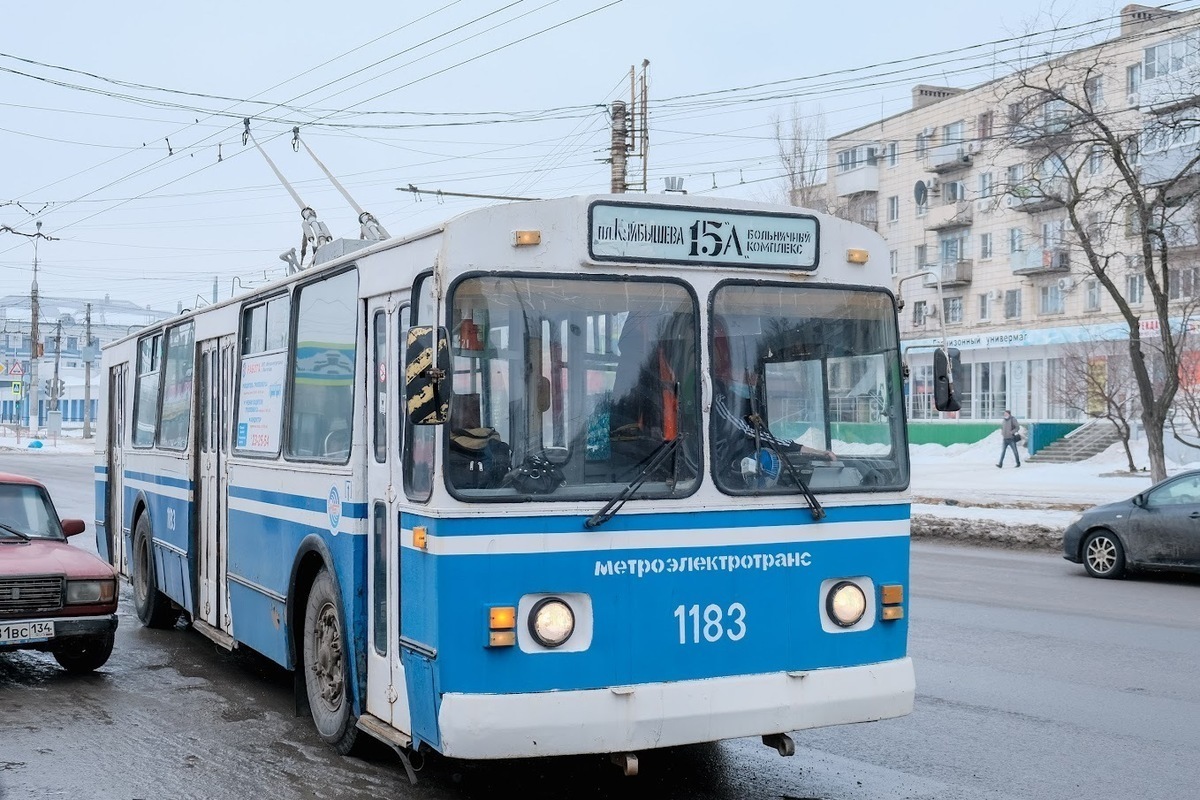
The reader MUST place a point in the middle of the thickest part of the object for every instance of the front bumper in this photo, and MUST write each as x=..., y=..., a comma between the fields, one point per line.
x=65, y=629
x=646, y=716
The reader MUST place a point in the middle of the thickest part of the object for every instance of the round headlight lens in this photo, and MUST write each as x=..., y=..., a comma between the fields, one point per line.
x=551, y=622
x=846, y=603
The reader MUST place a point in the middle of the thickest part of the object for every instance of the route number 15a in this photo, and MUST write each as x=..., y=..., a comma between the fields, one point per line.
x=712, y=623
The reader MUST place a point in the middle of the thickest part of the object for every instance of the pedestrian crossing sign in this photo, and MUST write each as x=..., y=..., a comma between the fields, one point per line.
x=16, y=388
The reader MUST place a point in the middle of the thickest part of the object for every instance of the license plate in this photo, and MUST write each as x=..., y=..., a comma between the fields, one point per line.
x=26, y=632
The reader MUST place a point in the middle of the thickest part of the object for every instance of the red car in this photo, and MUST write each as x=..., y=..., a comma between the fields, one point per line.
x=53, y=597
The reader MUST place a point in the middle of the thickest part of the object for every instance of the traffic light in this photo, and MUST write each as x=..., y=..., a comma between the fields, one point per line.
x=946, y=369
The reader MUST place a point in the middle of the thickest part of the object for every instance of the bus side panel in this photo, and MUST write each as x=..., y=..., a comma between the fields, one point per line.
x=266, y=529
x=660, y=614
x=169, y=501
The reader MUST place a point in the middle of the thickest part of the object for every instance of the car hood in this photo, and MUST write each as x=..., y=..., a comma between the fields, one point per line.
x=50, y=557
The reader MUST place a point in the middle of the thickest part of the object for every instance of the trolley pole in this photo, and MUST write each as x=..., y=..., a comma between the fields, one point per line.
x=87, y=374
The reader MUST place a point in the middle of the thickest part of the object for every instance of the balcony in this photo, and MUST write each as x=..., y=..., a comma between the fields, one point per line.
x=954, y=273
x=857, y=181
x=948, y=157
x=1040, y=261
x=950, y=216
x=1033, y=197
x=1045, y=132
x=1169, y=93
x=1163, y=166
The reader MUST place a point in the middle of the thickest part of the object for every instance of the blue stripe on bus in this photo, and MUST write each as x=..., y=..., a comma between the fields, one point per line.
x=159, y=480
x=691, y=520
x=303, y=502
x=102, y=470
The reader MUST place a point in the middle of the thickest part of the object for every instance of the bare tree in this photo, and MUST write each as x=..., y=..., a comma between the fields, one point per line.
x=1096, y=381
x=1126, y=174
x=800, y=145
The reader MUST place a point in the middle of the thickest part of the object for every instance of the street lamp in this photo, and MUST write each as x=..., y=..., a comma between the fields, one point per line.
x=31, y=396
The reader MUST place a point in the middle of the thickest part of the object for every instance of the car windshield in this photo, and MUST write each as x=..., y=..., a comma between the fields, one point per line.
x=26, y=509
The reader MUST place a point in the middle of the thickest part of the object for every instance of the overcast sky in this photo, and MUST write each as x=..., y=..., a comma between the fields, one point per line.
x=121, y=124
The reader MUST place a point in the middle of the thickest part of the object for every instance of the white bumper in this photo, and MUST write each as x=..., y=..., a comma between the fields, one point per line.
x=646, y=716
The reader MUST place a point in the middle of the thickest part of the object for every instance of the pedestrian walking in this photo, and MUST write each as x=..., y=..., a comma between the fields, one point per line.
x=1010, y=431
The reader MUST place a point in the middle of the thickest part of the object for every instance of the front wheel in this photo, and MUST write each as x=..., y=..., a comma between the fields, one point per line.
x=1103, y=555
x=86, y=655
x=325, y=663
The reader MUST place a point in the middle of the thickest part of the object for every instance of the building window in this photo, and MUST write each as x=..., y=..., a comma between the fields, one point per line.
x=894, y=261
x=1133, y=78
x=953, y=248
x=952, y=310
x=985, y=246
x=985, y=307
x=1012, y=303
x=856, y=157
x=923, y=208
x=953, y=192
x=1093, y=89
x=1016, y=240
x=893, y=154
x=918, y=313
x=985, y=184
x=1095, y=161
x=1091, y=301
x=984, y=125
x=1054, y=234
x=920, y=253
x=1050, y=299
x=1169, y=57
x=1182, y=282
x=893, y=209
x=1016, y=174
x=954, y=133
x=1135, y=286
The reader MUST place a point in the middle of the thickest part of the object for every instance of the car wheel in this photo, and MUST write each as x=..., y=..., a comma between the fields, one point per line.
x=153, y=607
x=1103, y=555
x=85, y=655
x=326, y=668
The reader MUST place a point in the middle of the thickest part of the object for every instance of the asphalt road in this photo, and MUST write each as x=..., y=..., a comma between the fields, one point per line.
x=1033, y=681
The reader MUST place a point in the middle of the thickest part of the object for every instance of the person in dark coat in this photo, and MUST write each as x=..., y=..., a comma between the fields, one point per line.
x=1008, y=432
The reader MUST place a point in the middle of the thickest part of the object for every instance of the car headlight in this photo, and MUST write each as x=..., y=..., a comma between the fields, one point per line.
x=846, y=603
x=551, y=622
x=100, y=591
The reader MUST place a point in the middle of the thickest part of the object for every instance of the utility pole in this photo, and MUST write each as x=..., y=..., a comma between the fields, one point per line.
x=618, y=150
x=32, y=395
x=57, y=356
x=87, y=374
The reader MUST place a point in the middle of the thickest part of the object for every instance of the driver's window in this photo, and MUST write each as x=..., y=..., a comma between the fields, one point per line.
x=1181, y=492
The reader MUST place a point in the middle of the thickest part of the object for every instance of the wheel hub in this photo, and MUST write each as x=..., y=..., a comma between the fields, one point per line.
x=327, y=656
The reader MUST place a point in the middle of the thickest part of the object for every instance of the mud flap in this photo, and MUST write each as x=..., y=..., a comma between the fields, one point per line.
x=422, y=698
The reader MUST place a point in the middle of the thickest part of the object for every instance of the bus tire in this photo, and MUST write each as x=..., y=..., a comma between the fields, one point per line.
x=326, y=668
x=153, y=607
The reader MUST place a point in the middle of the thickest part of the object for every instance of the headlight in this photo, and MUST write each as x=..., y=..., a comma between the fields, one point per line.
x=846, y=603
x=102, y=591
x=551, y=622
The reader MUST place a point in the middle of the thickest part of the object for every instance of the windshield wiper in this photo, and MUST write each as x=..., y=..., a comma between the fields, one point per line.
x=762, y=435
x=25, y=537
x=611, y=508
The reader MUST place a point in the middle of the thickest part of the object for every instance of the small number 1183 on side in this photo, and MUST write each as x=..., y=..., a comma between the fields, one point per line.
x=712, y=623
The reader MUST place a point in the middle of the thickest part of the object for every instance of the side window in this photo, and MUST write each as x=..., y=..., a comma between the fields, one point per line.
x=178, y=369
x=263, y=374
x=145, y=397
x=419, y=440
x=379, y=334
x=322, y=381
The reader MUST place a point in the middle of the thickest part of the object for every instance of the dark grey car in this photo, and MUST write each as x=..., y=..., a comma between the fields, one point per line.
x=1158, y=529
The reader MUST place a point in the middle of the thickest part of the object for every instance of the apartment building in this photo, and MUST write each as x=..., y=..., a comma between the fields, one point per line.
x=973, y=189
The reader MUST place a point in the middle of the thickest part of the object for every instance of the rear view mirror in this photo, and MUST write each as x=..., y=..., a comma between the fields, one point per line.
x=73, y=526
x=1139, y=500
x=946, y=368
x=427, y=375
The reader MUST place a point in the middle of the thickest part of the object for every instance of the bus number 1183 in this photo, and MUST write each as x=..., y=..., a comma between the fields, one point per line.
x=712, y=623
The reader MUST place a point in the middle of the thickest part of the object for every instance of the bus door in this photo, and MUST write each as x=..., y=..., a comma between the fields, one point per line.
x=114, y=522
x=387, y=697
x=212, y=530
